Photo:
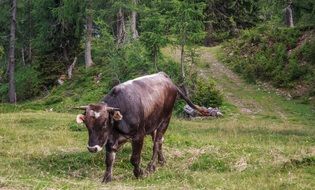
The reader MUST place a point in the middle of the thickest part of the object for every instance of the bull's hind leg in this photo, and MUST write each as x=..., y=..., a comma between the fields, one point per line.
x=136, y=157
x=158, y=139
x=160, y=153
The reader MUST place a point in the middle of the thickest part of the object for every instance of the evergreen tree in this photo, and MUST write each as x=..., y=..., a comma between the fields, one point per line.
x=187, y=26
x=223, y=19
x=59, y=30
x=153, y=30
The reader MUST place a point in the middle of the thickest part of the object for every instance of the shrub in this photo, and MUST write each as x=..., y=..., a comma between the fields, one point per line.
x=27, y=84
x=1, y=51
x=4, y=89
x=205, y=93
x=273, y=54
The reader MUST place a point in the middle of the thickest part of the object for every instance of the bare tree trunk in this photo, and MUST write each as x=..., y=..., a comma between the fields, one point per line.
x=65, y=53
x=182, y=64
x=155, y=52
x=89, y=24
x=30, y=32
x=23, y=56
x=121, y=30
x=208, y=38
x=289, y=16
x=12, y=93
x=133, y=25
x=182, y=59
x=71, y=67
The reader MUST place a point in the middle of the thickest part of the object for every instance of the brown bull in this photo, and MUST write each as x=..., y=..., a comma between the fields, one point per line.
x=131, y=111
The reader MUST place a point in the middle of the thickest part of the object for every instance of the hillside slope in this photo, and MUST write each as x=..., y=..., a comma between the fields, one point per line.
x=259, y=99
x=282, y=57
x=263, y=142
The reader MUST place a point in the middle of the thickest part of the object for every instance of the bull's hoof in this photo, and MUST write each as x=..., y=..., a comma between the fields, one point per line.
x=162, y=162
x=138, y=173
x=107, y=178
x=151, y=168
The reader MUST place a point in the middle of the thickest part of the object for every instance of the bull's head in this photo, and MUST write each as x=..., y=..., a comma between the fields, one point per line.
x=98, y=119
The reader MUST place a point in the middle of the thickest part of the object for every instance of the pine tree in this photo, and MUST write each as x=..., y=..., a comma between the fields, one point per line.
x=59, y=30
x=187, y=26
x=153, y=27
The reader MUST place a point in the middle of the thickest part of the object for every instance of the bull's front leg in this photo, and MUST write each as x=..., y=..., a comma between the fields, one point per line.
x=136, y=157
x=109, y=161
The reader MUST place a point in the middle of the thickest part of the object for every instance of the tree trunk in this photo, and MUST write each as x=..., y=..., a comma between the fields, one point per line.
x=23, y=56
x=182, y=64
x=65, y=53
x=89, y=24
x=182, y=59
x=208, y=38
x=133, y=25
x=155, y=52
x=289, y=16
x=71, y=67
x=121, y=30
x=12, y=93
x=30, y=32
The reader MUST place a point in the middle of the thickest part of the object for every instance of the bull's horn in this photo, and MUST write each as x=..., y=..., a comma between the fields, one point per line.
x=81, y=107
x=112, y=109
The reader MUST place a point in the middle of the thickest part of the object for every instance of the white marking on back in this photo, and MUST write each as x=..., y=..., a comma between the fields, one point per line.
x=139, y=78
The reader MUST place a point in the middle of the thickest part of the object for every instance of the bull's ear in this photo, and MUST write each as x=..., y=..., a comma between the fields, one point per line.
x=80, y=118
x=117, y=116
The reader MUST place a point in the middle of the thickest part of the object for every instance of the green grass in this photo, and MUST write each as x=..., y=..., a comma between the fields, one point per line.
x=272, y=147
x=43, y=150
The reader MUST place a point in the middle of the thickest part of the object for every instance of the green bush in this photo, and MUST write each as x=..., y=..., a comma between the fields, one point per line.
x=274, y=54
x=4, y=89
x=307, y=52
x=1, y=51
x=27, y=84
x=205, y=93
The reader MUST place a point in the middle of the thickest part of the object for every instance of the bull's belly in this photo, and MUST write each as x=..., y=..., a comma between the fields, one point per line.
x=154, y=122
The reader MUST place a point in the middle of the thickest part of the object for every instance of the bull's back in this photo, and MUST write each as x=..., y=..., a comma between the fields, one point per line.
x=146, y=100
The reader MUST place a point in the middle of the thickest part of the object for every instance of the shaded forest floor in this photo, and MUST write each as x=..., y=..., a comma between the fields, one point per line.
x=263, y=142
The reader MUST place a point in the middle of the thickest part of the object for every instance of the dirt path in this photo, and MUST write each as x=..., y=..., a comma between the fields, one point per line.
x=228, y=82
x=249, y=99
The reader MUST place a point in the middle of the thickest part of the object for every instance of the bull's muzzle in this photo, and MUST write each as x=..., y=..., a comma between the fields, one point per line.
x=94, y=149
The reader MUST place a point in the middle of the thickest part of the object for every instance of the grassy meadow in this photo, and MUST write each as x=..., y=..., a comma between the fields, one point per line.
x=263, y=142
x=44, y=150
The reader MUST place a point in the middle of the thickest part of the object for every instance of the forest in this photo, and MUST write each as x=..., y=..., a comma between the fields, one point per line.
x=252, y=59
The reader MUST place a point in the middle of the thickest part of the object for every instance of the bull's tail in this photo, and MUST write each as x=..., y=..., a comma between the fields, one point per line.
x=202, y=110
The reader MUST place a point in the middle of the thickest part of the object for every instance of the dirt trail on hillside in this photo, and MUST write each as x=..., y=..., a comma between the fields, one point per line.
x=228, y=83
x=247, y=98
